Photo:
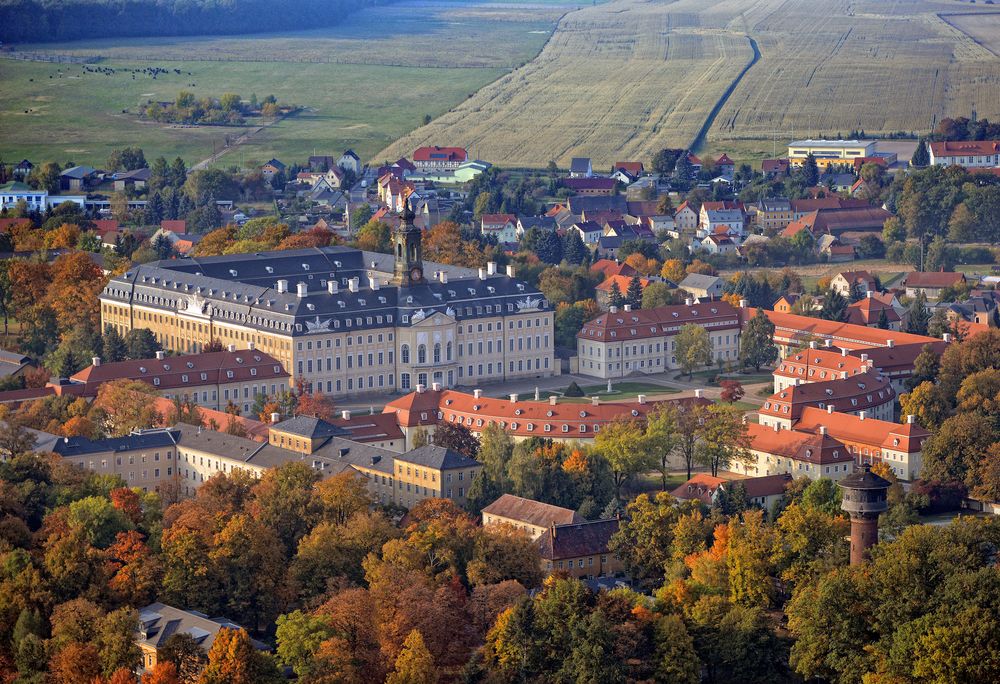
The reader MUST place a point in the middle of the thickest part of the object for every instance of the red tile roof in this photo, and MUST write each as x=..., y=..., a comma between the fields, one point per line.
x=255, y=429
x=521, y=418
x=179, y=227
x=594, y=183
x=104, y=226
x=792, y=328
x=498, y=219
x=578, y=539
x=859, y=392
x=7, y=224
x=878, y=434
x=932, y=279
x=724, y=160
x=959, y=148
x=532, y=512
x=171, y=371
x=623, y=283
x=632, y=168
x=659, y=321
x=868, y=310
x=800, y=446
x=703, y=486
x=818, y=365
x=610, y=267
x=801, y=206
x=440, y=154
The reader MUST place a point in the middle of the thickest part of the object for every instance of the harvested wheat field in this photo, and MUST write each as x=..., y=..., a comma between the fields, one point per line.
x=623, y=79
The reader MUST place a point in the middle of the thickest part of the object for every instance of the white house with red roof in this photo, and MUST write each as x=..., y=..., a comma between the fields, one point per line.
x=972, y=154
x=727, y=214
x=436, y=158
x=685, y=219
x=503, y=226
x=761, y=492
x=625, y=342
x=725, y=167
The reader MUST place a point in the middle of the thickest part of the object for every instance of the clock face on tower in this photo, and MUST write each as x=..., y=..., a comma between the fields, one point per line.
x=416, y=273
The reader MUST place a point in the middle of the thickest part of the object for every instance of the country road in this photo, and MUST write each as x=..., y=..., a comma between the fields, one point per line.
x=233, y=144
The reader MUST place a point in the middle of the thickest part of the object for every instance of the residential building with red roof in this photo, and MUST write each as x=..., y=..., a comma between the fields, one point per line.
x=801, y=207
x=603, y=290
x=861, y=281
x=534, y=517
x=210, y=379
x=7, y=225
x=731, y=215
x=439, y=158
x=968, y=153
x=627, y=172
x=870, y=440
x=931, y=283
x=776, y=450
x=685, y=218
x=817, y=364
x=174, y=226
x=611, y=267
x=580, y=549
x=774, y=167
x=503, y=226
x=873, y=311
x=761, y=492
x=869, y=392
x=623, y=342
x=427, y=408
x=896, y=361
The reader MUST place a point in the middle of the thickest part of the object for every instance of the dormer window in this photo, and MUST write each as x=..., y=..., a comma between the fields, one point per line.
x=166, y=366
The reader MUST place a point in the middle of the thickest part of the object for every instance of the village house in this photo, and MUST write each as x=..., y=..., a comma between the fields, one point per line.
x=773, y=215
x=730, y=215
x=534, y=517
x=931, y=283
x=350, y=161
x=320, y=163
x=580, y=549
x=78, y=178
x=846, y=282
x=13, y=192
x=22, y=170
x=603, y=290
x=503, y=226
x=436, y=158
x=580, y=167
x=701, y=286
x=590, y=232
x=725, y=167
x=134, y=180
x=158, y=622
x=272, y=168
x=774, y=168
x=526, y=223
x=761, y=492
x=685, y=219
x=589, y=185
x=875, y=311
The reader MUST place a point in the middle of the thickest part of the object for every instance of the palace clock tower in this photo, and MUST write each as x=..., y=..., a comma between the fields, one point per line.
x=409, y=268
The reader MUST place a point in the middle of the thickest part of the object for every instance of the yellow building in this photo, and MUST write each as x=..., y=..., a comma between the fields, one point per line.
x=829, y=152
x=343, y=321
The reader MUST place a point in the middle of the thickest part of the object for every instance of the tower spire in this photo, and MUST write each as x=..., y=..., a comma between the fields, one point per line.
x=407, y=248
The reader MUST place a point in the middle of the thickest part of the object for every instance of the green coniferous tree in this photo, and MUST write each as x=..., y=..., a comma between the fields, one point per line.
x=616, y=298
x=633, y=295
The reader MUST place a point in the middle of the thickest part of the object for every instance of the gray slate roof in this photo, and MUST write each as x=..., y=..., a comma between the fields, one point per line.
x=242, y=288
x=313, y=428
x=432, y=456
x=70, y=447
x=699, y=281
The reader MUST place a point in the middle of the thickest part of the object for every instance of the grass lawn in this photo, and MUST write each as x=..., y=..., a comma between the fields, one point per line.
x=651, y=483
x=362, y=84
x=624, y=391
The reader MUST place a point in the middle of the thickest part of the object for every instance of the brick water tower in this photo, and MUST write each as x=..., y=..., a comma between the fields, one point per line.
x=865, y=498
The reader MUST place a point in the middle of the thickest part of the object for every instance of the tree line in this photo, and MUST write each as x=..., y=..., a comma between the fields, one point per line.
x=59, y=20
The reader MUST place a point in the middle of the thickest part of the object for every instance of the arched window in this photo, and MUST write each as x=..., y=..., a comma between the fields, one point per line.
x=437, y=352
x=404, y=353
x=449, y=351
x=421, y=353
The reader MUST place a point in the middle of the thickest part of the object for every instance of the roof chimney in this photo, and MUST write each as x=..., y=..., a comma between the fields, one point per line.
x=628, y=307
x=373, y=282
x=946, y=337
x=436, y=386
x=510, y=270
x=301, y=289
x=552, y=529
x=595, y=401
x=482, y=274
x=911, y=419
x=477, y=393
x=812, y=344
x=443, y=277
x=697, y=394
x=822, y=430
x=862, y=415
x=688, y=301
x=552, y=400
x=353, y=284
x=275, y=418
x=96, y=361
x=829, y=408
x=613, y=309
x=345, y=414
x=843, y=375
x=513, y=398
x=890, y=343
x=869, y=294
x=160, y=355
x=828, y=343
x=843, y=351
x=251, y=346
x=744, y=303
x=331, y=286
x=491, y=267
x=777, y=428
x=864, y=357
x=641, y=398
x=282, y=286
x=230, y=347
x=420, y=389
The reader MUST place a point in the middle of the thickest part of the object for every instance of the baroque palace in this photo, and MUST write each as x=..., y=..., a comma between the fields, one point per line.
x=345, y=321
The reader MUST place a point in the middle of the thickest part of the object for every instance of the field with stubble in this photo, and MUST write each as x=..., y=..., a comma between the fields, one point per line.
x=623, y=79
